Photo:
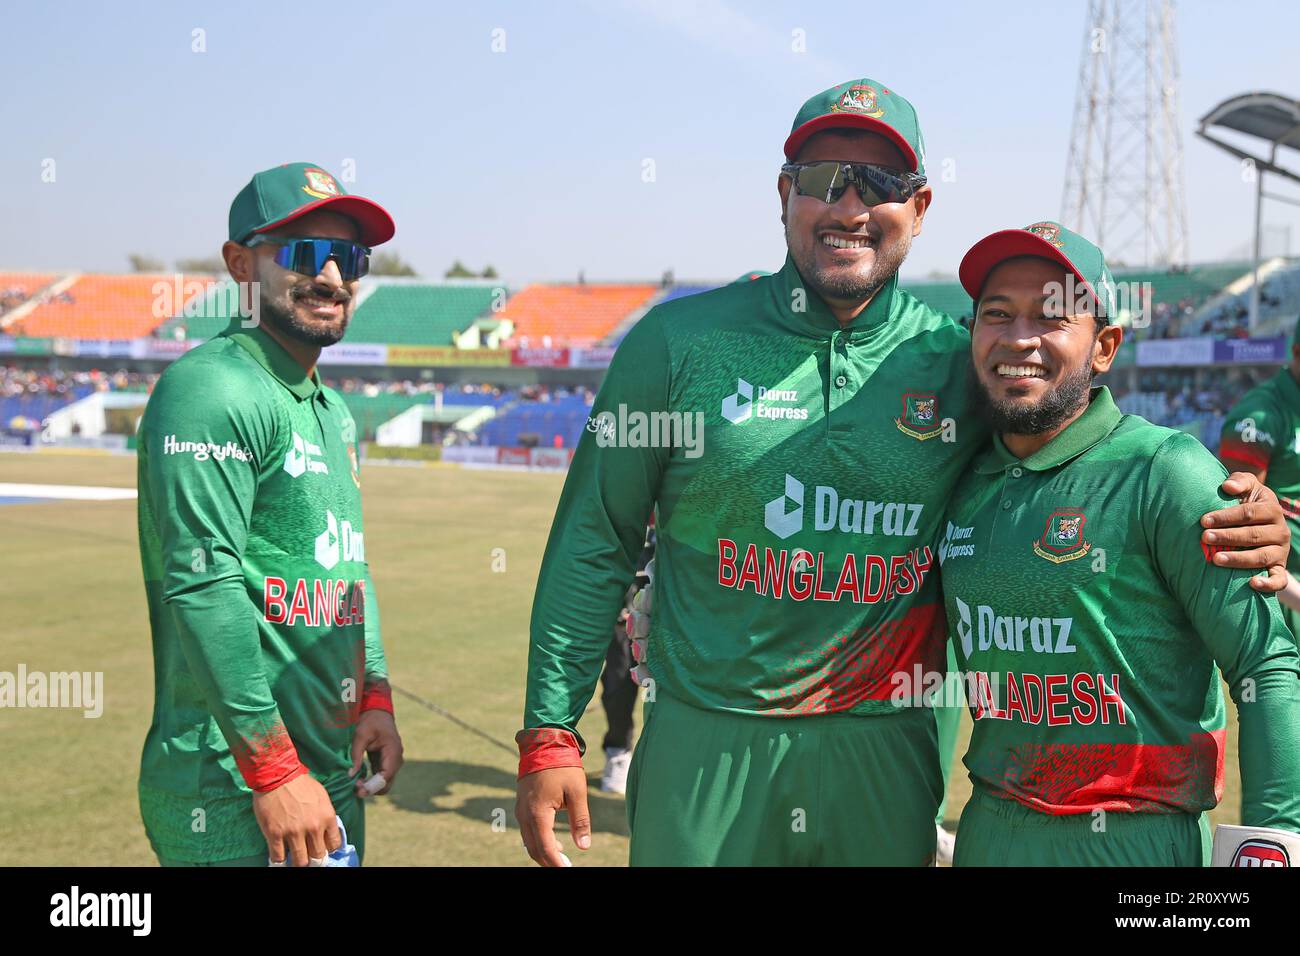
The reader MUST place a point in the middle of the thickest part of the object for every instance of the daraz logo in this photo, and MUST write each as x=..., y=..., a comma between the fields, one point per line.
x=738, y=406
x=338, y=540
x=987, y=629
x=780, y=522
x=783, y=515
x=771, y=404
x=303, y=457
x=964, y=628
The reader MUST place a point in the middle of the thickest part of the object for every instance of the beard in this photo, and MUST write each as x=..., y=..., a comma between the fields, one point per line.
x=280, y=313
x=1008, y=417
x=850, y=287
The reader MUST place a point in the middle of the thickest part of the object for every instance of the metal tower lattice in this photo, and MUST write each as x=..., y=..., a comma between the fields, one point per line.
x=1124, y=177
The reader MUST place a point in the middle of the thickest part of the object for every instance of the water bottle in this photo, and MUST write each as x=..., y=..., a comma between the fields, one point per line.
x=345, y=855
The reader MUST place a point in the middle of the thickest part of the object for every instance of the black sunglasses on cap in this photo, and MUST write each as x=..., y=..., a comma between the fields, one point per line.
x=826, y=180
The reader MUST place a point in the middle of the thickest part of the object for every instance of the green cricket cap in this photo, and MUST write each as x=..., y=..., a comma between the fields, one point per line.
x=279, y=195
x=1048, y=240
x=861, y=104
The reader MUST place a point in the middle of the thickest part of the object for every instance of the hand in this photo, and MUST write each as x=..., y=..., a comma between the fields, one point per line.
x=376, y=737
x=638, y=625
x=297, y=818
x=541, y=795
x=1255, y=532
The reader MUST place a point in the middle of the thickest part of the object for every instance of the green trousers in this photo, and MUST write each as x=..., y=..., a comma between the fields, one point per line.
x=948, y=721
x=351, y=812
x=709, y=788
x=1291, y=617
x=1002, y=832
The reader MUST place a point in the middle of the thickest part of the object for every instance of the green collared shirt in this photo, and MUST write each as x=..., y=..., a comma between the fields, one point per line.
x=264, y=621
x=1262, y=431
x=273, y=357
x=1087, y=621
x=796, y=524
x=1097, y=421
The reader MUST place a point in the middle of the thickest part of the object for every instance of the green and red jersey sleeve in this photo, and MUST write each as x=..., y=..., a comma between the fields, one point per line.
x=591, y=554
x=1242, y=630
x=202, y=502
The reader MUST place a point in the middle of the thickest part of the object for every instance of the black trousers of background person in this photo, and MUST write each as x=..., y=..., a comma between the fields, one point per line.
x=617, y=691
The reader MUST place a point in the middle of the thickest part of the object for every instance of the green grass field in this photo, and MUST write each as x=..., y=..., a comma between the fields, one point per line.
x=455, y=631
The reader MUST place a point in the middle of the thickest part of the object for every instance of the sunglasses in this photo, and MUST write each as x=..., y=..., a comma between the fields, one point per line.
x=828, y=179
x=308, y=256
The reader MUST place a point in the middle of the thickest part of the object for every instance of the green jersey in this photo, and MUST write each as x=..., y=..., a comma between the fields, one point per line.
x=1262, y=433
x=265, y=626
x=799, y=469
x=1087, y=619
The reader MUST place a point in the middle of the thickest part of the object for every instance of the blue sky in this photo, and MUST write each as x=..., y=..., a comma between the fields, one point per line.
x=532, y=159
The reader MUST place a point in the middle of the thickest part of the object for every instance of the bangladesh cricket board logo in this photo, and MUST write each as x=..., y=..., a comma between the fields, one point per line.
x=1047, y=231
x=859, y=99
x=920, y=417
x=320, y=184
x=1063, y=539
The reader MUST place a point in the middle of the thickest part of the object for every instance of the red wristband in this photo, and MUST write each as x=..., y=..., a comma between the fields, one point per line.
x=268, y=763
x=545, y=748
x=377, y=696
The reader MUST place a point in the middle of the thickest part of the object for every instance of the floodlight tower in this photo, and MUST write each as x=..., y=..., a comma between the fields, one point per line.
x=1124, y=177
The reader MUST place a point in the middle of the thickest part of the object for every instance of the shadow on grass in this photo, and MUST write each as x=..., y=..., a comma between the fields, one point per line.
x=430, y=786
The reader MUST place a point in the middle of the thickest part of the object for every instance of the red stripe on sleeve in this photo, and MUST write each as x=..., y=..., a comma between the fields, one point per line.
x=545, y=748
x=377, y=696
x=1233, y=451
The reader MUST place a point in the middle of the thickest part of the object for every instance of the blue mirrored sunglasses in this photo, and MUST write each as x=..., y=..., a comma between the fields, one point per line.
x=308, y=256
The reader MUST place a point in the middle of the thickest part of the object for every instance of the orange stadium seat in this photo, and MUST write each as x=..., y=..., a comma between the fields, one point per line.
x=17, y=288
x=576, y=315
x=24, y=282
x=107, y=307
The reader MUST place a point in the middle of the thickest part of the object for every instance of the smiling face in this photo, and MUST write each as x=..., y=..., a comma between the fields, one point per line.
x=1033, y=369
x=846, y=251
x=315, y=311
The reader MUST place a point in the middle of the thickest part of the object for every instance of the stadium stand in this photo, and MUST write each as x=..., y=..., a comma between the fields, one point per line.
x=538, y=417
x=1194, y=401
x=207, y=315
x=99, y=307
x=571, y=315
x=675, y=292
x=1176, y=295
x=28, y=396
x=419, y=314
x=371, y=411
x=16, y=288
x=1279, y=305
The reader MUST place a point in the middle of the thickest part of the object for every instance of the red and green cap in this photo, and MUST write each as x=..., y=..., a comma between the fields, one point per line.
x=280, y=195
x=1047, y=240
x=861, y=104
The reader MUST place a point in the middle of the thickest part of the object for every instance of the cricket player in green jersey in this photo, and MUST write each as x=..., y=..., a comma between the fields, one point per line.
x=798, y=436
x=270, y=684
x=1086, y=616
x=1262, y=436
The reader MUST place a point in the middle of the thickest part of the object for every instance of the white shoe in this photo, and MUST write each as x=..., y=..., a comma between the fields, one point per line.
x=944, y=848
x=614, y=779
